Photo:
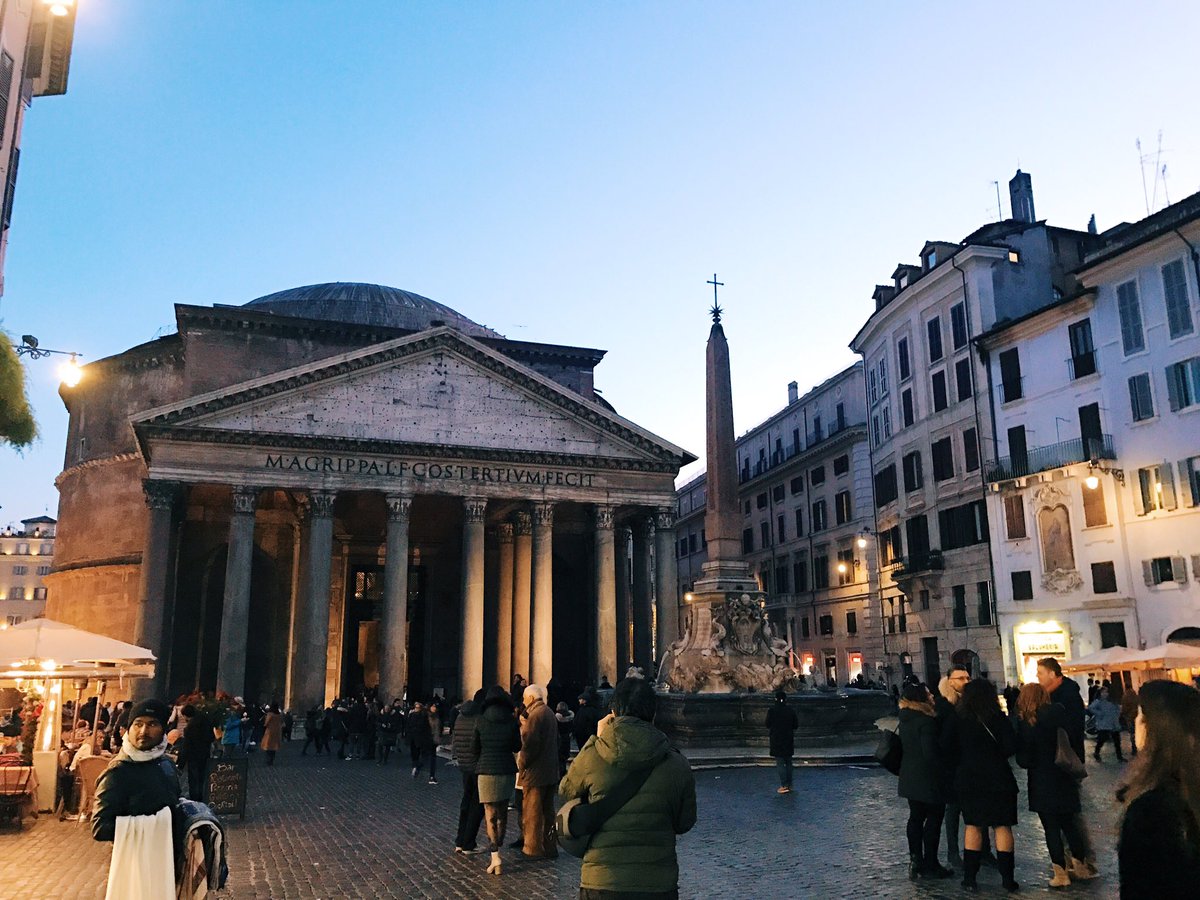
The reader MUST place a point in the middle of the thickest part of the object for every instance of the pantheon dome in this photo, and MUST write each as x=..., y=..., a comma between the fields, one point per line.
x=366, y=304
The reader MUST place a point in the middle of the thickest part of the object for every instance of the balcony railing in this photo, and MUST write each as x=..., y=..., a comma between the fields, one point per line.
x=1082, y=364
x=1055, y=456
x=1011, y=389
x=783, y=455
x=925, y=562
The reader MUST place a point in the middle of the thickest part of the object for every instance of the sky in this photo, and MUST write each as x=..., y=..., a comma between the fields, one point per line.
x=569, y=173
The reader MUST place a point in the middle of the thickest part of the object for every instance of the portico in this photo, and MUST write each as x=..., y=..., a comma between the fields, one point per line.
x=424, y=512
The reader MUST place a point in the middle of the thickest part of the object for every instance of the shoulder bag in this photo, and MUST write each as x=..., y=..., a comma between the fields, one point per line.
x=1065, y=758
x=578, y=820
x=889, y=752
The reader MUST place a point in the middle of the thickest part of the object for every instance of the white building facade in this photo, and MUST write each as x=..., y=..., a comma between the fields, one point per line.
x=26, y=556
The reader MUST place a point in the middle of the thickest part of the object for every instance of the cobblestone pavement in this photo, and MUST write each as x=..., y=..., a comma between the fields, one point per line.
x=319, y=828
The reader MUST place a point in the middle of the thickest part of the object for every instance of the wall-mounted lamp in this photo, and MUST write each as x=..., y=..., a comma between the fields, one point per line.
x=1092, y=481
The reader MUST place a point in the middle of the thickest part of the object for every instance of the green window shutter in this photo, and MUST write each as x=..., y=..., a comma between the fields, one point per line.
x=1188, y=482
x=1148, y=572
x=1140, y=491
x=1179, y=569
x=1174, y=375
x=1167, y=480
x=1196, y=566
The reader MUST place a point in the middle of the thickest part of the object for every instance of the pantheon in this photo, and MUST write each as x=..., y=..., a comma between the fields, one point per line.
x=349, y=485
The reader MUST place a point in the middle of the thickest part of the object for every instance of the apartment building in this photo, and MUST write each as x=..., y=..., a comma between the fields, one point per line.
x=26, y=556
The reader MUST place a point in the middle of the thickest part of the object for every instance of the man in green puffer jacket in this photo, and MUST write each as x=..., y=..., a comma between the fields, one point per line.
x=634, y=852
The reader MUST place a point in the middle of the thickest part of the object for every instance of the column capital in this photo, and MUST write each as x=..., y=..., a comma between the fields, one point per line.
x=603, y=514
x=504, y=532
x=398, y=507
x=524, y=523
x=644, y=526
x=543, y=513
x=160, y=494
x=245, y=499
x=664, y=517
x=321, y=503
x=474, y=508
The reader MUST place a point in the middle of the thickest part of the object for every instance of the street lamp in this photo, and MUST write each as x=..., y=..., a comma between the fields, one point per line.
x=69, y=373
x=59, y=7
x=1092, y=481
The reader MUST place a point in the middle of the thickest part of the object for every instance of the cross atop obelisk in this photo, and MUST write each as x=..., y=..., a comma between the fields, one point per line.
x=715, y=312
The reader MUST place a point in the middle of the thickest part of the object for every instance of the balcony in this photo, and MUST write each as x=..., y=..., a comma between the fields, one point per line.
x=912, y=565
x=786, y=454
x=1082, y=365
x=1055, y=456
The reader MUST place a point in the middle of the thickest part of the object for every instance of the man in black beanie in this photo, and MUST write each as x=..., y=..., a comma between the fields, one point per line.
x=141, y=780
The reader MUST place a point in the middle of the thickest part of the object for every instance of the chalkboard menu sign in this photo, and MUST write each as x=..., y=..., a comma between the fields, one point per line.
x=227, y=786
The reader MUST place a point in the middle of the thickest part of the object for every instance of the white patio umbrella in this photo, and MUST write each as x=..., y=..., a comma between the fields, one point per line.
x=1167, y=656
x=43, y=648
x=1108, y=658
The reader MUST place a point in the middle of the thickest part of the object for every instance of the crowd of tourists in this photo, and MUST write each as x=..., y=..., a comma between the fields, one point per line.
x=957, y=744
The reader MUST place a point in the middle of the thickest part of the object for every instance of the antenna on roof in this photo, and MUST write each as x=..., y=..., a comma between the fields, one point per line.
x=999, y=205
x=1166, y=196
x=1142, y=166
x=1157, y=160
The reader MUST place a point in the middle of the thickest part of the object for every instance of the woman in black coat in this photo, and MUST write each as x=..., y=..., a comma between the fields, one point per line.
x=497, y=737
x=920, y=775
x=1053, y=794
x=1159, y=849
x=983, y=740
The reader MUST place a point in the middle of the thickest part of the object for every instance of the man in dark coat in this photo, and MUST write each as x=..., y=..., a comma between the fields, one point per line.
x=587, y=717
x=1065, y=692
x=195, y=749
x=537, y=773
x=462, y=743
x=782, y=723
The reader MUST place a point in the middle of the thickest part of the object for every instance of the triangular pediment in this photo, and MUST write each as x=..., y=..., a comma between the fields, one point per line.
x=437, y=388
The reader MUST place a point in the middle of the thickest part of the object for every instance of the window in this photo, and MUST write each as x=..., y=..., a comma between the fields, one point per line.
x=781, y=579
x=933, y=331
x=881, y=367
x=780, y=529
x=804, y=627
x=39, y=593
x=971, y=449
x=1094, y=512
x=1155, y=489
x=797, y=484
x=851, y=623
x=817, y=476
x=43, y=570
x=1130, y=311
x=1183, y=384
x=940, y=400
x=1022, y=585
x=1179, y=314
x=20, y=570
x=1018, y=450
x=1112, y=634
x=820, y=572
x=1189, y=474
x=843, y=509
x=963, y=526
x=1090, y=431
x=817, y=520
x=914, y=480
x=845, y=567
x=1104, y=578
x=6, y=82
x=799, y=522
x=873, y=386
x=1083, y=353
x=1140, y=401
x=826, y=625
x=1164, y=569
x=887, y=422
x=906, y=407
x=960, y=605
x=890, y=545
x=841, y=465
x=876, y=432
x=839, y=414
x=800, y=575
x=916, y=535
x=795, y=441
x=748, y=540
x=1010, y=375
x=983, y=596
x=962, y=378
x=747, y=506
x=777, y=493
x=902, y=357
x=958, y=325
x=765, y=532
x=943, y=460
x=923, y=596
x=885, y=486
x=761, y=500
x=1014, y=516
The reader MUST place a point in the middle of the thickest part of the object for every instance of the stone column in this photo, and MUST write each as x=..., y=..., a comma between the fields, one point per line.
x=666, y=581
x=643, y=621
x=153, y=627
x=312, y=619
x=542, y=625
x=624, y=576
x=235, y=611
x=522, y=592
x=605, y=649
x=471, y=668
x=393, y=634
x=504, y=605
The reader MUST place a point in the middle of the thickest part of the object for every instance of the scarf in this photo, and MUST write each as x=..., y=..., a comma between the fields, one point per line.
x=133, y=753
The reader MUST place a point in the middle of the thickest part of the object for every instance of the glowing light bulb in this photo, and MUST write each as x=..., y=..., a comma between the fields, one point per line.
x=1092, y=482
x=862, y=543
x=49, y=665
x=842, y=568
x=69, y=373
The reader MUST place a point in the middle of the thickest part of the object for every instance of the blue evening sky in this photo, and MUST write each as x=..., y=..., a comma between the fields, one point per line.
x=569, y=172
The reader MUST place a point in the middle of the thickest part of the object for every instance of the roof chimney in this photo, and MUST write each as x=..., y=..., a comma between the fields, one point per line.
x=1092, y=224
x=793, y=392
x=1020, y=197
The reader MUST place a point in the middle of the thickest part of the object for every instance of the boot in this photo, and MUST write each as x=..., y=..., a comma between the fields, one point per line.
x=934, y=869
x=1006, y=862
x=970, y=869
x=1060, y=878
x=914, y=866
x=1081, y=869
x=495, y=867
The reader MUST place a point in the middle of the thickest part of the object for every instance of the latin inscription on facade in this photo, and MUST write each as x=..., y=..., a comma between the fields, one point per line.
x=421, y=470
